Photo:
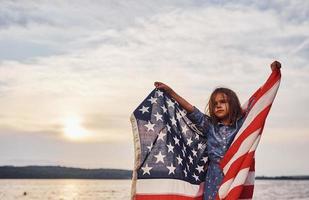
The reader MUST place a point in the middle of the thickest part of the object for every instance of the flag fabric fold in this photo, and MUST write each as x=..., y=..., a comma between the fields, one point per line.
x=170, y=151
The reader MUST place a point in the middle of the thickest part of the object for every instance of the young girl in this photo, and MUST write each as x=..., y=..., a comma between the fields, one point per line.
x=220, y=127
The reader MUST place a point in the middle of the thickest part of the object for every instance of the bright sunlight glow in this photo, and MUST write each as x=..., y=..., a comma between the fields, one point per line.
x=73, y=129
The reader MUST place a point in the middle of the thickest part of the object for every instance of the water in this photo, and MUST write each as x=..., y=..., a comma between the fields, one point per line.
x=75, y=189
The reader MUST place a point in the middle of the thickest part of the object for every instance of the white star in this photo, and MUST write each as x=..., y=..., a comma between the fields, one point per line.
x=179, y=159
x=196, y=177
x=171, y=169
x=146, y=169
x=183, y=153
x=194, y=153
x=159, y=93
x=170, y=103
x=161, y=135
x=170, y=148
x=184, y=129
x=150, y=147
x=178, y=116
x=173, y=121
x=152, y=100
x=144, y=109
x=191, y=159
x=159, y=157
x=149, y=126
x=189, y=141
x=197, y=137
x=168, y=127
x=205, y=159
x=176, y=140
x=186, y=173
x=200, y=169
x=164, y=109
x=199, y=146
x=158, y=117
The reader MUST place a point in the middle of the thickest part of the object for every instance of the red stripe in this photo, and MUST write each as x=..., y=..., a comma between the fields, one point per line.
x=247, y=192
x=271, y=81
x=241, y=191
x=257, y=123
x=165, y=197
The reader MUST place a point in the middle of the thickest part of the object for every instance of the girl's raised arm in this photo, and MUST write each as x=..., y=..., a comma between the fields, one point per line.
x=185, y=104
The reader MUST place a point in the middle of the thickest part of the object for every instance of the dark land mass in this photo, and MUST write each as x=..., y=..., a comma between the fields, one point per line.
x=58, y=172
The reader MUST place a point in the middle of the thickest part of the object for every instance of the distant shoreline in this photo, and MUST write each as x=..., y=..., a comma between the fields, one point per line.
x=59, y=172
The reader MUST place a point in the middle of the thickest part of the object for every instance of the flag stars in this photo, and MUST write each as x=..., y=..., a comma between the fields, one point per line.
x=150, y=147
x=170, y=103
x=170, y=148
x=152, y=100
x=195, y=177
x=158, y=117
x=200, y=168
x=205, y=159
x=144, y=109
x=171, y=169
x=189, y=141
x=200, y=146
x=176, y=140
x=184, y=129
x=159, y=93
x=164, y=109
x=146, y=169
x=174, y=122
x=149, y=126
x=161, y=136
x=194, y=153
x=179, y=159
x=191, y=159
x=159, y=157
x=168, y=127
x=185, y=172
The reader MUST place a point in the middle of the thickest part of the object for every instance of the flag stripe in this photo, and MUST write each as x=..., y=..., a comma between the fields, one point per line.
x=166, y=197
x=168, y=186
x=238, y=162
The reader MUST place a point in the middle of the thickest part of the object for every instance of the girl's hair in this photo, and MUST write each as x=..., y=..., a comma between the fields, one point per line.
x=235, y=110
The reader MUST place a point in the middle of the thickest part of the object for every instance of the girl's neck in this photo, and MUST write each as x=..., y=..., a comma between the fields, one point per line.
x=225, y=122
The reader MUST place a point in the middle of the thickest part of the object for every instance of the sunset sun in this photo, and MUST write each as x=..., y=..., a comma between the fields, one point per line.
x=73, y=129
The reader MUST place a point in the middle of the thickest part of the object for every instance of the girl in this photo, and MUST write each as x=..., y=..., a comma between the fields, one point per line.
x=224, y=119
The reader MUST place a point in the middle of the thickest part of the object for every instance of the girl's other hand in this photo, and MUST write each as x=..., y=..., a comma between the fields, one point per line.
x=275, y=65
x=163, y=86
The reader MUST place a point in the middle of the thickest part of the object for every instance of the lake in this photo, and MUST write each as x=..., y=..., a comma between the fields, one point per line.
x=81, y=189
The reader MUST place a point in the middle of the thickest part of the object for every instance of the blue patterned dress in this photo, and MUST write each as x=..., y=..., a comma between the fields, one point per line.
x=219, y=138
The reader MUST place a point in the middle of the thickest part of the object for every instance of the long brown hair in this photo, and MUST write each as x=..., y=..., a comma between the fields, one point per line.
x=235, y=110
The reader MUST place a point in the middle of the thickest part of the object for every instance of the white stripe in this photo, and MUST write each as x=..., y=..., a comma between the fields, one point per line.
x=260, y=105
x=250, y=179
x=168, y=186
x=243, y=149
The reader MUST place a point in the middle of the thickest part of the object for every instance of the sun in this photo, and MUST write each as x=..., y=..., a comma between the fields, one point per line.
x=73, y=129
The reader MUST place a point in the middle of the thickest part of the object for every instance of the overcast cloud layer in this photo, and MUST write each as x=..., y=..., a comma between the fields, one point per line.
x=98, y=60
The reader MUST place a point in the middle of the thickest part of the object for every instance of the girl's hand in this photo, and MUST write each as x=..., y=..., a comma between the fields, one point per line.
x=163, y=86
x=275, y=65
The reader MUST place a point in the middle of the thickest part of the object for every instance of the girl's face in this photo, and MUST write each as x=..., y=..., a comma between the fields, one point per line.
x=221, y=107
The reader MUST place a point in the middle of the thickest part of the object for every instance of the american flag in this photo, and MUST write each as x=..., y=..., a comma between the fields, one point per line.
x=238, y=162
x=170, y=152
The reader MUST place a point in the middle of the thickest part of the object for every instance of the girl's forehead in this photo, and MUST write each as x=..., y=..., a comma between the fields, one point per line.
x=220, y=96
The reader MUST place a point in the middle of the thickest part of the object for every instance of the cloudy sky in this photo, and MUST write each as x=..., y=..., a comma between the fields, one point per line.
x=82, y=67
